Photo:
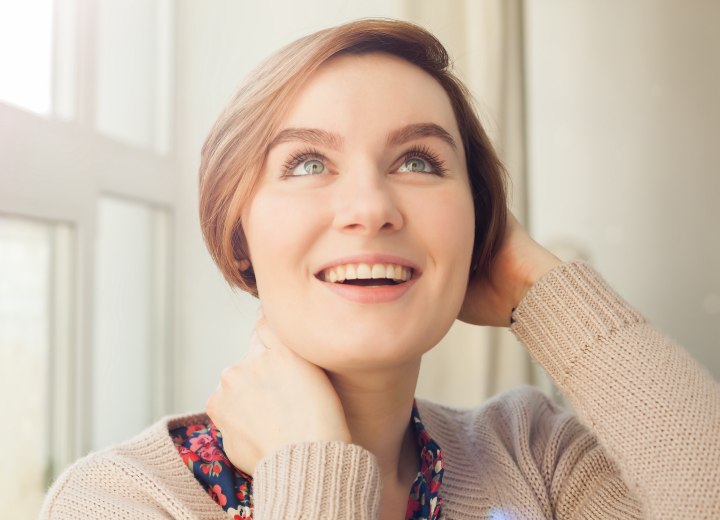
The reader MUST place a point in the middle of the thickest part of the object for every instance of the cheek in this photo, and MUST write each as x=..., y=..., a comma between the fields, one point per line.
x=259, y=224
x=274, y=231
x=449, y=227
x=281, y=229
x=276, y=239
x=450, y=232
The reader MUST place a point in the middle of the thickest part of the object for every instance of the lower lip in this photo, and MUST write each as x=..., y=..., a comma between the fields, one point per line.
x=376, y=294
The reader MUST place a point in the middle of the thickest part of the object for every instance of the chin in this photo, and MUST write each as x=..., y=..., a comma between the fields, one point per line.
x=363, y=347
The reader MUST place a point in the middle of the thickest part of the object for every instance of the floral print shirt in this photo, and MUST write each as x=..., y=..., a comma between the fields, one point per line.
x=201, y=449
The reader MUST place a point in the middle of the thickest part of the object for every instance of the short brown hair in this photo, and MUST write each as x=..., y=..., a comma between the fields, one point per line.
x=234, y=151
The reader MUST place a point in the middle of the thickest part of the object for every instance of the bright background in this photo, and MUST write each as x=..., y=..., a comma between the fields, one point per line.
x=111, y=311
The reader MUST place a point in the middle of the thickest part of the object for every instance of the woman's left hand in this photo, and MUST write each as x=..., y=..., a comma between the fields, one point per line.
x=518, y=264
x=271, y=398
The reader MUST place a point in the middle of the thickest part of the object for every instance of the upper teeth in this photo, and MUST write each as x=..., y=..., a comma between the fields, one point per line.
x=340, y=273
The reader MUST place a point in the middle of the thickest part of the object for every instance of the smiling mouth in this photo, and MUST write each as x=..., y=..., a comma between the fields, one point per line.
x=366, y=275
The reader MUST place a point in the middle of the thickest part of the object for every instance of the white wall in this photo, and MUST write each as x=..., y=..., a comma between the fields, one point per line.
x=218, y=43
x=624, y=148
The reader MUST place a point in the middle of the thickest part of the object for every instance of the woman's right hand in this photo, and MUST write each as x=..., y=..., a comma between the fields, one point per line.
x=271, y=398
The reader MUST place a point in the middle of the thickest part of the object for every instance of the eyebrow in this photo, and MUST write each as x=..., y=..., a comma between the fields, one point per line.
x=318, y=137
x=418, y=130
x=313, y=136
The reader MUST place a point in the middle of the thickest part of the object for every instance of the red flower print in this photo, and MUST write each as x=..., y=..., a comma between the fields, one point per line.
x=242, y=492
x=193, y=428
x=197, y=442
x=211, y=453
x=413, y=507
x=216, y=495
x=187, y=456
x=215, y=432
x=241, y=513
x=214, y=469
x=433, y=487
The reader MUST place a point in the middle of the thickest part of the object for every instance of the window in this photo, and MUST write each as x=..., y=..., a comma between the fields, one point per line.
x=132, y=68
x=26, y=33
x=130, y=326
x=36, y=369
x=95, y=168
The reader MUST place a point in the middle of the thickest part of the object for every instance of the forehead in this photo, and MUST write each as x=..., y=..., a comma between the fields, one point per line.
x=370, y=93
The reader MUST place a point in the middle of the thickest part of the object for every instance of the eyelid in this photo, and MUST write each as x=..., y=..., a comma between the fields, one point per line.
x=297, y=158
x=426, y=154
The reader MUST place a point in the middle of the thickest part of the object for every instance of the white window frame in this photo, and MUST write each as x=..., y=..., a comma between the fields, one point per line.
x=55, y=169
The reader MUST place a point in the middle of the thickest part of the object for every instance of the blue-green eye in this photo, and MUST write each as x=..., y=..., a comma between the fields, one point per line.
x=421, y=159
x=304, y=164
x=311, y=167
x=415, y=164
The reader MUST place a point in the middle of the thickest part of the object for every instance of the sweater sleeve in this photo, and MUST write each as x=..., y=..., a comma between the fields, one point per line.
x=651, y=406
x=97, y=487
x=317, y=480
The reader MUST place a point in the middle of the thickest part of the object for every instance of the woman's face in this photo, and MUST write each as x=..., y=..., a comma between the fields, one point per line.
x=366, y=179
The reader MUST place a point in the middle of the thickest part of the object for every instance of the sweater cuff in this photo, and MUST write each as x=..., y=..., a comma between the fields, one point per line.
x=566, y=312
x=317, y=480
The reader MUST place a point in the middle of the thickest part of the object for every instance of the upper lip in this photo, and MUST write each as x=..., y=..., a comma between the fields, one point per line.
x=370, y=258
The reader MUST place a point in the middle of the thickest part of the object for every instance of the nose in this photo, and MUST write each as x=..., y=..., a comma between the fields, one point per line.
x=365, y=204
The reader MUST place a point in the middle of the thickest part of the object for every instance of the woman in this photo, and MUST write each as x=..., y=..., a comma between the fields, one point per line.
x=350, y=186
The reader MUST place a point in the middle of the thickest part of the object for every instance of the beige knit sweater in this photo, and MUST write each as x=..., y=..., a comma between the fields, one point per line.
x=649, y=447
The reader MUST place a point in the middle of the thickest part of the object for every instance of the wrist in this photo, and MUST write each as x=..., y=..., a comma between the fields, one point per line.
x=542, y=263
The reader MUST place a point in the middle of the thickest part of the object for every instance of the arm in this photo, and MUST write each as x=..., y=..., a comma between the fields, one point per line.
x=317, y=480
x=653, y=409
x=105, y=485
x=297, y=448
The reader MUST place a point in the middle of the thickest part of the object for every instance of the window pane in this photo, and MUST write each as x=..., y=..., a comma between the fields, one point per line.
x=32, y=256
x=26, y=53
x=133, y=71
x=129, y=346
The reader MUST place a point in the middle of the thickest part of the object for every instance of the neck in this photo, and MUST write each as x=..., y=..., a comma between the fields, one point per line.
x=378, y=408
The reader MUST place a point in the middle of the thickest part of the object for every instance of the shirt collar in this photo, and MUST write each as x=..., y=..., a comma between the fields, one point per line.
x=430, y=471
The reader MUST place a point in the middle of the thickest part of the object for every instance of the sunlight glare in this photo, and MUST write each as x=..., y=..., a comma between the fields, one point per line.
x=26, y=54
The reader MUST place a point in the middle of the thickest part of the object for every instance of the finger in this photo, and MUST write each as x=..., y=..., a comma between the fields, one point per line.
x=260, y=316
x=255, y=344
x=211, y=403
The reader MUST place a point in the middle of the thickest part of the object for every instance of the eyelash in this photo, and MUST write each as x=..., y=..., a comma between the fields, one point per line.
x=416, y=152
x=297, y=158
x=424, y=153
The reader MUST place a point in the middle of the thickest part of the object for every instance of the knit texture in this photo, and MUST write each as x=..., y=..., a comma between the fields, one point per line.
x=318, y=480
x=645, y=442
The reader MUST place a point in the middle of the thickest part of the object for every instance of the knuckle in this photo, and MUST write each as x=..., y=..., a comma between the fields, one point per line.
x=227, y=373
x=229, y=376
x=211, y=405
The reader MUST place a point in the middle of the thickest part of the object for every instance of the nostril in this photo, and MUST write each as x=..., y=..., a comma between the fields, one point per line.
x=367, y=212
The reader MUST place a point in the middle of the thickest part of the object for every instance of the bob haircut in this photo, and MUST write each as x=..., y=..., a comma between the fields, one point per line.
x=234, y=151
